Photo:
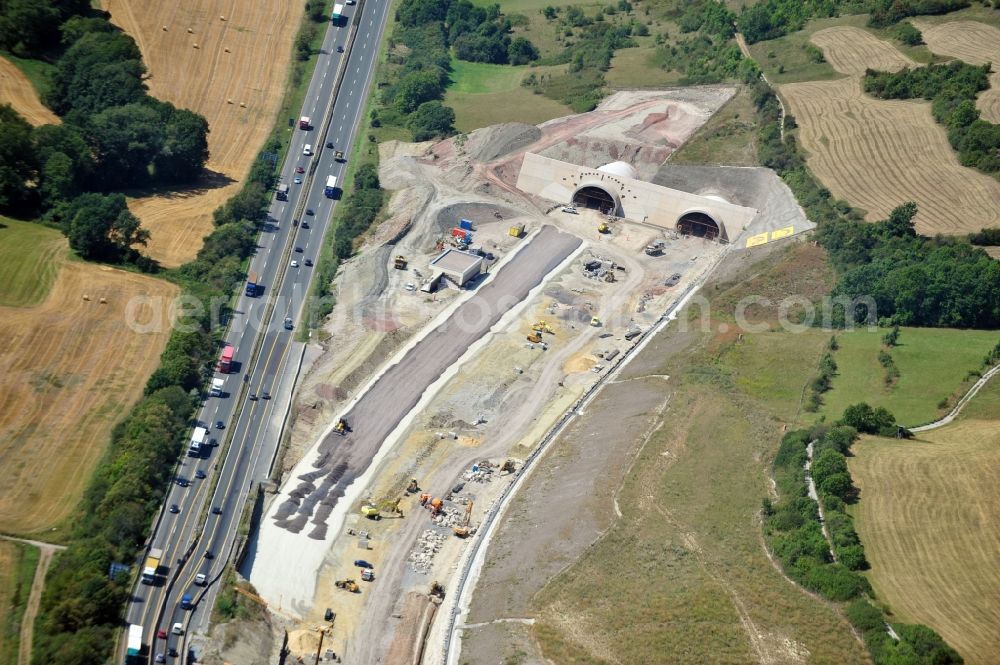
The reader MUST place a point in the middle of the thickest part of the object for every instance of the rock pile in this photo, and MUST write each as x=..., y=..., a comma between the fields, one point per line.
x=429, y=544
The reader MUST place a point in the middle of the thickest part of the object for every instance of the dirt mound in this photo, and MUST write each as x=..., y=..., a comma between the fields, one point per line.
x=489, y=143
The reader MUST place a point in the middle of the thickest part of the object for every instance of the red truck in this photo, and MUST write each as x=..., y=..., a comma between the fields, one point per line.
x=226, y=360
x=304, y=122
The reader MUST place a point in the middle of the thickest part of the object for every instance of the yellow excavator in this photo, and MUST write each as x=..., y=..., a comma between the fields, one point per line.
x=463, y=531
x=375, y=512
x=341, y=427
x=347, y=585
x=541, y=326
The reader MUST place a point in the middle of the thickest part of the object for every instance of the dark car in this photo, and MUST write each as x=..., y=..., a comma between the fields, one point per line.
x=199, y=474
x=299, y=169
x=183, y=482
x=361, y=563
x=310, y=212
x=298, y=249
x=253, y=397
x=340, y=49
x=329, y=144
x=213, y=442
x=172, y=652
x=309, y=262
x=216, y=511
x=174, y=508
x=265, y=395
x=673, y=279
x=220, y=425
x=305, y=225
x=328, y=615
x=209, y=555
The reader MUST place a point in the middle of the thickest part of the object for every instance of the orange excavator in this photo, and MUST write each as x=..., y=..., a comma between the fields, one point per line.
x=431, y=504
x=463, y=531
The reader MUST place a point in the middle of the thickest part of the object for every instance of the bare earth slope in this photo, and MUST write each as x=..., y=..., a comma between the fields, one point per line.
x=16, y=90
x=877, y=154
x=235, y=78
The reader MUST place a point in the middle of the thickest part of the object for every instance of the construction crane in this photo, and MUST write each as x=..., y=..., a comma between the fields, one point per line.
x=463, y=531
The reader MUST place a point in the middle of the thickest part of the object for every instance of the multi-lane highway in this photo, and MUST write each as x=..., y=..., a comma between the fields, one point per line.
x=198, y=539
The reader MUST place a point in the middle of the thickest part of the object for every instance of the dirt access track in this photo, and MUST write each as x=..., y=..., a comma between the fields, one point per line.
x=71, y=367
x=16, y=90
x=228, y=60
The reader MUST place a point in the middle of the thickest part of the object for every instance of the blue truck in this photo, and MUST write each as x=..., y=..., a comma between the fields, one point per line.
x=254, y=287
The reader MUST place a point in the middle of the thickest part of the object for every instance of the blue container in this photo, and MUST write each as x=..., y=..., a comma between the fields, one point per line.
x=465, y=224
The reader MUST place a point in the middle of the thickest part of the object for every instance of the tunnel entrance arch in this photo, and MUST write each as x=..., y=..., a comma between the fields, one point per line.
x=596, y=198
x=700, y=225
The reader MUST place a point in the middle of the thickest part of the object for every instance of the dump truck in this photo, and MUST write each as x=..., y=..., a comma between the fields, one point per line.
x=226, y=359
x=216, y=389
x=152, y=568
x=516, y=231
x=304, y=122
x=253, y=284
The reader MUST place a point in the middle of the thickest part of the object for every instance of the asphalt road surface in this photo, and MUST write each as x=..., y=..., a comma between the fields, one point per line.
x=342, y=458
x=190, y=548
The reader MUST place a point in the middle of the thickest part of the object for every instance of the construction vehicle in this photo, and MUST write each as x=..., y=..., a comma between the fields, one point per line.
x=463, y=530
x=516, y=231
x=603, y=228
x=508, y=467
x=656, y=248
x=412, y=488
x=542, y=326
x=596, y=322
x=385, y=509
x=609, y=277
x=341, y=427
x=433, y=505
x=347, y=585
x=252, y=596
x=367, y=575
x=534, y=338
x=371, y=512
x=437, y=589
x=399, y=263
x=424, y=498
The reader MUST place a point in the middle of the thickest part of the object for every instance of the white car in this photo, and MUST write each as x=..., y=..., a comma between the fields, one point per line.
x=297, y=180
x=570, y=209
x=178, y=629
x=295, y=264
x=200, y=579
x=410, y=286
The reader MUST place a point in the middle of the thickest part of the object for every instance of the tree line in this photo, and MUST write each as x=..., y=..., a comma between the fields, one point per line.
x=771, y=19
x=952, y=88
x=114, y=136
x=794, y=533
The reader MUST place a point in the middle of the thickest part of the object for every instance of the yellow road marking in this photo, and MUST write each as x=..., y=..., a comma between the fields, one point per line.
x=756, y=240
x=782, y=233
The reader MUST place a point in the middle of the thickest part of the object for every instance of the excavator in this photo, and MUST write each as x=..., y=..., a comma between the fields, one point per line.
x=412, y=488
x=433, y=505
x=542, y=326
x=508, y=467
x=463, y=531
x=341, y=427
x=347, y=585
x=375, y=512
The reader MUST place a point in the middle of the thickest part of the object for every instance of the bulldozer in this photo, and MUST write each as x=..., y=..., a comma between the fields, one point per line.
x=463, y=531
x=341, y=427
x=603, y=228
x=399, y=263
x=347, y=585
x=534, y=338
x=542, y=326
x=508, y=467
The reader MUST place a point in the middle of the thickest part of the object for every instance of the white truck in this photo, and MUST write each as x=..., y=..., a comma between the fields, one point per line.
x=216, y=390
x=198, y=439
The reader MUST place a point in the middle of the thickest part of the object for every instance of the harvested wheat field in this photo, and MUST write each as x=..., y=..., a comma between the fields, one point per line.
x=16, y=90
x=851, y=50
x=975, y=43
x=71, y=369
x=876, y=153
x=929, y=518
x=244, y=58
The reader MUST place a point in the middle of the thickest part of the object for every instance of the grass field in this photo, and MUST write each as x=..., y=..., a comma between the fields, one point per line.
x=30, y=258
x=684, y=566
x=933, y=363
x=18, y=91
x=728, y=138
x=243, y=59
x=631, y=69
x=973, y=42
x=929, y=522
x=876, y=154
x=71, y=368
x=17, y=570
x=484, y=94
